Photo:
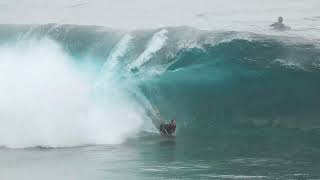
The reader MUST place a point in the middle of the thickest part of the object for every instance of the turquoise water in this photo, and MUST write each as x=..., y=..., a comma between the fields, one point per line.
x=79, y=102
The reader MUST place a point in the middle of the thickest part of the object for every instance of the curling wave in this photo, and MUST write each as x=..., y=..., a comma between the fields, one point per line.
x=66, y=85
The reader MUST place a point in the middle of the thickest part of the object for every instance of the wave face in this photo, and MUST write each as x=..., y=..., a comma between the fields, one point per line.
x=66, y=85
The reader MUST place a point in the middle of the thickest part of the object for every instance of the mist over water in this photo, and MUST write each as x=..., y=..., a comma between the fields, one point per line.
x=46, y=101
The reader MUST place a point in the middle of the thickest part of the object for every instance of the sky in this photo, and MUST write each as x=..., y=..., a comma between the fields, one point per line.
x=239, y=15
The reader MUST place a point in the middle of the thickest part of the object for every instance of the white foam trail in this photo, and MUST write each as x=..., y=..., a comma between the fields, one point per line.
x=121, y=48
x=109, y=68
x=155, y=44
x=45, y=101
x=236, y=177
x=290, y=64
x=110, y=80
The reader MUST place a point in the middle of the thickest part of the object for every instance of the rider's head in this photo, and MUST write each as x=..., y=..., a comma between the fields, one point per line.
x=173, y=121
x=280, y=19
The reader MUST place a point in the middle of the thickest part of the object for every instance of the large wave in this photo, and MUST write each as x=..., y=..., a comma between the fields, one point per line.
x=66, y=85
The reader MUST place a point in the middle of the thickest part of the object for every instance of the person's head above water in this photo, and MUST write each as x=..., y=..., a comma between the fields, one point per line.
x=279, y=25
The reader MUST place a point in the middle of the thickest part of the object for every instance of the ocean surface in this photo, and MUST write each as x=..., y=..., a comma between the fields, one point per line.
x=84, y=102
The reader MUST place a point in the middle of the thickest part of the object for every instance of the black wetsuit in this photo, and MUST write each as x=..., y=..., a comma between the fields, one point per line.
x=279, y=26
x=168, y=128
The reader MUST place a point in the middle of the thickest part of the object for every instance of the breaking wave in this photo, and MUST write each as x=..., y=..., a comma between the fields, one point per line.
x=67, y=85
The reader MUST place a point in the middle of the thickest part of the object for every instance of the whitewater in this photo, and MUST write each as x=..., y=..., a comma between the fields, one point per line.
x=84, y=86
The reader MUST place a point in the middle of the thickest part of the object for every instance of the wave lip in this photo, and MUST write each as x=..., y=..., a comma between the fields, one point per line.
x=205, y=79
x=155, y=44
